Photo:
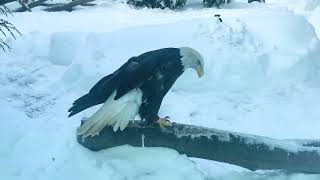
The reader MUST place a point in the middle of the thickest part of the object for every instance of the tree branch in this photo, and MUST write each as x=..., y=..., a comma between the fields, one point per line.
x=31, y=5
x=68, y=6
x=24, y=5
x=5, y=28
x=4, y=10
x=249, y=151
x=3, y=2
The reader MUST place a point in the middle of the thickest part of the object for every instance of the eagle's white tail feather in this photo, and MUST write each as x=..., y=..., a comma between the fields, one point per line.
x=132, y=112
x=88, y=128
x=123, y=119
x=116, y=113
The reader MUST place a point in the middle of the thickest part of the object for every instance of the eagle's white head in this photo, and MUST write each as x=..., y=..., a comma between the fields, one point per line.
x=191, y=58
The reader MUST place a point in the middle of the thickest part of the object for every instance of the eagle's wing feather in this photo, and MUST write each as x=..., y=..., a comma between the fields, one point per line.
x=156, y=88
x=135, y=73
x=97, y=95
x=129, y=76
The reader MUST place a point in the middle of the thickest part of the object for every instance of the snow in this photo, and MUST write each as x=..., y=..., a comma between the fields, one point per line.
x=135, y=162
x=261, y=77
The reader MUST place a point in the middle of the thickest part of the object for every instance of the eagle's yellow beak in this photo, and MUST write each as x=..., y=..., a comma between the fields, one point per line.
x=200, y=72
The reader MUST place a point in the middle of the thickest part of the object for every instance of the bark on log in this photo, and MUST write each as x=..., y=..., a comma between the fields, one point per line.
x=31, y=5
x=24, y=5
x=306, y=142
x=261, y=1
x=3, y=2
x=249, y=151
x=68, y=6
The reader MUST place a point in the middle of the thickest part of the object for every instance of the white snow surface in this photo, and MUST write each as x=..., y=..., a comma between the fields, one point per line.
x=262, y=74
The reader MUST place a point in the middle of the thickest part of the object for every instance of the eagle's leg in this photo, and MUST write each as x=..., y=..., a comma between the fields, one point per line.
x=164, y=122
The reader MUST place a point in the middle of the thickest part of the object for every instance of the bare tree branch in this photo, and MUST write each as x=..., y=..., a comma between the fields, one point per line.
x=3, y=2
x=4, y=45
x=4, y=10
x=6, y=28
x=68, y=6
x=24, y=5
x=31, y=5
x=9, y=27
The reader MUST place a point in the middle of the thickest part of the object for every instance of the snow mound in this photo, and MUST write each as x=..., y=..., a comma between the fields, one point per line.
x=282, y=31
x=252, y=72
x=126, y=162
x=297, y=5
x=314, y=19
x=221, y=171
x=268, y=176
x=63, y=48
x=39, y=151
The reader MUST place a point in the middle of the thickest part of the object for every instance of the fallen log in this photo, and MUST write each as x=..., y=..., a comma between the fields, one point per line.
x=306, y=142
x=31, y=5
x=261, y=1
x=89, y=4
x=24, y=5
x=3, y=2
x=67, y=6
x=249, y=151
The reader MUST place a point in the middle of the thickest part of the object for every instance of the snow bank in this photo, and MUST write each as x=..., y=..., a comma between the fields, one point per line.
x=269, y=176
x=125, y=163
x=253, y=73
x=282, y=31
x=297, y=5
x=63, y=48
x=314, y=19
x=38, y=151
x=221, y=171
x=309, y=9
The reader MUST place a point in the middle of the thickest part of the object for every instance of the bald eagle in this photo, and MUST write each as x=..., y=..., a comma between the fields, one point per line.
x=136, y=88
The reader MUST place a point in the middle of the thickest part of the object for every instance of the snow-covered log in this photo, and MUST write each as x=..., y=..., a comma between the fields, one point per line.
x=24, y=5
x=261, y=1
x=67, y=6
x=3, y=2
x=306, y=142
x=249, y=151
x=31, y=5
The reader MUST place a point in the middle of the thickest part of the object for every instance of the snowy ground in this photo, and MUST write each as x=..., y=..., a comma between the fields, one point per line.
x=261, y=77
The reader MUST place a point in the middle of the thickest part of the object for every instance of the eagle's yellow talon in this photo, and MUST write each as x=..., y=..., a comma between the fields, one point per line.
x=164, y=122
